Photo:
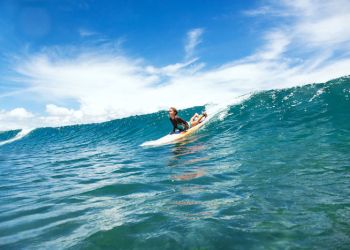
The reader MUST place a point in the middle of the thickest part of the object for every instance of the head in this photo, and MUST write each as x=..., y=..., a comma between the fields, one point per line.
x=172, y=112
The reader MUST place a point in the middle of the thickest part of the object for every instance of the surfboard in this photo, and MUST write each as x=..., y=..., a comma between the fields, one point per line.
x=176, y=136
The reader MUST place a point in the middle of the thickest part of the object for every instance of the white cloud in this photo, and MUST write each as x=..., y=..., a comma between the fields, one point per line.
x=54, y=110
x=14, y=118
x=62, y=115
x=193, y=39
x=107, y=84
x=19, y=113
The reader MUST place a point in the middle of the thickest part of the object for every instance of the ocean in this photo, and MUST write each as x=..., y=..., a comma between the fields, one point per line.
x=269, y=172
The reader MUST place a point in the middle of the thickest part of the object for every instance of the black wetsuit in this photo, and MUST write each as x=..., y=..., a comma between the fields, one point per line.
x=179, y=123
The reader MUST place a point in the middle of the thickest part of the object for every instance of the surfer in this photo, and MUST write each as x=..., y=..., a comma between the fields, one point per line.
x=180, y=124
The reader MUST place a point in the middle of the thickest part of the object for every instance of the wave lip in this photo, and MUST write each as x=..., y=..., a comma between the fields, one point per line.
x=18, y=136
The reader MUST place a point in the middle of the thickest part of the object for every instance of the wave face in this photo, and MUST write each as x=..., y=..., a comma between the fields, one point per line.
x=7, y=135
x=270, y=172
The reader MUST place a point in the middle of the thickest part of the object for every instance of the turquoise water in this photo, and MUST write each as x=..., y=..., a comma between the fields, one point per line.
x=272, y=172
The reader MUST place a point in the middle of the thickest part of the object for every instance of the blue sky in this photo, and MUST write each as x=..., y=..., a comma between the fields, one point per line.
x=151, y=29
x=67, y=62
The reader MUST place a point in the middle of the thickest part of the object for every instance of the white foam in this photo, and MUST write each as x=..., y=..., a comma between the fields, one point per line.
x=318, y=93
x=218, y=111
x=19, y=136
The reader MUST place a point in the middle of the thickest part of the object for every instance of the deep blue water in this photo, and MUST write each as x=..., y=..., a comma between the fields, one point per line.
x=272, y=172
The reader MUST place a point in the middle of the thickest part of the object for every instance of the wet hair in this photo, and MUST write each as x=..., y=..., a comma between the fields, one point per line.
x=174, y=109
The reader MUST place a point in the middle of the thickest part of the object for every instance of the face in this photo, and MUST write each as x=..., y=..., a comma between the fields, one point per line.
x=171, y=113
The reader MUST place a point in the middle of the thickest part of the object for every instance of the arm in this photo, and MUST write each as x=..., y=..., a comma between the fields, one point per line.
x=174, y=126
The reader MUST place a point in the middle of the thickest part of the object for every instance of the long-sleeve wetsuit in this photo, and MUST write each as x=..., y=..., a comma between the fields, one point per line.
x=179, y=123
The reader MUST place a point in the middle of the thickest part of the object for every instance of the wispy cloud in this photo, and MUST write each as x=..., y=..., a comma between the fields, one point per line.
x=193, y=39
x=276, y=43
x=107, y=84
x=85, y=32
x=312, y=22
x=263, y=10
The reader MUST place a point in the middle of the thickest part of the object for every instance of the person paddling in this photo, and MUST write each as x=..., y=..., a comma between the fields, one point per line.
x=180, y=124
